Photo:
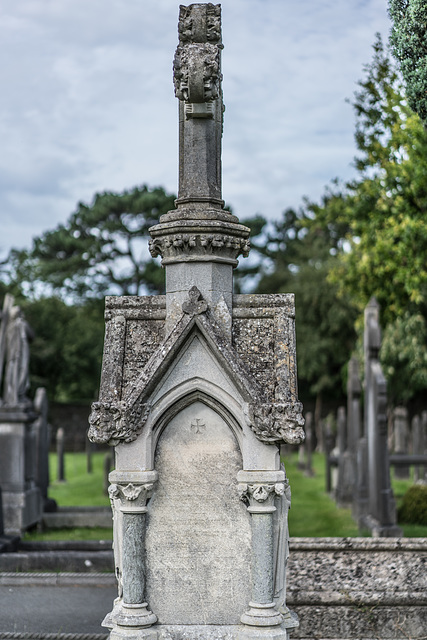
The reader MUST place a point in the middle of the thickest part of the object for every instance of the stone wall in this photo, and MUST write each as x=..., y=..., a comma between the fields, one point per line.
x=354, y=588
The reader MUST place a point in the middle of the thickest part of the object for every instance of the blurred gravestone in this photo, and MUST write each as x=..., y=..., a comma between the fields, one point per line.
x=419, y=446
x=381, y=516
x=60, y=452
x=19, y=427
x=401, y=439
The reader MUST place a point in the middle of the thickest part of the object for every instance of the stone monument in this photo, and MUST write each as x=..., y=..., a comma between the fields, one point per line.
x=22, y=454
x=198, y=390
x=381, y=510
x=401, y=439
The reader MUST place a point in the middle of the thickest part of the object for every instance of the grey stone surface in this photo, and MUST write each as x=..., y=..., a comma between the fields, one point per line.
x=198, y=539
x=352, y=588
x=419, y=446
x=60, y=452
x=198, y=388
x=401, y=438
x=358, y=587
x=381, y=517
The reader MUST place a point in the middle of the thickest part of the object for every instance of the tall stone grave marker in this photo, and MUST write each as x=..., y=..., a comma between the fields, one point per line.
x=381, y=518
x=419, y=444
x=401, y=439
x=20, y=426
x=198, y=390
x=357, y=442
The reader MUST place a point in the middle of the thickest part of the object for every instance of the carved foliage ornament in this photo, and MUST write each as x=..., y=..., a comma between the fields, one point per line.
x=278, y=422
x=204, y=244
x=187, y=25
x=131, y=491
x=260, y=493
x=196, y=72
x=114, y=422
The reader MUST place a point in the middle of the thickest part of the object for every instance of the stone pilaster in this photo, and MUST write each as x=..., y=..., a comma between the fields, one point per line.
x=258, y=490
x=133, y=490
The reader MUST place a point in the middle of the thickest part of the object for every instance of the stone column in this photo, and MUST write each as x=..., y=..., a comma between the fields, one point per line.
x=258, y=490
x=134, y=490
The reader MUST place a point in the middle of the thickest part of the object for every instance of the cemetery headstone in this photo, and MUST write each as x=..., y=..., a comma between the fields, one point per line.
x=357, y=443
x=381, y=517
x=60, y=453
x=108, y=465
x=198, y=390
x=344, y=493
x=401, y=439
x=89, y=447
x=330, y=453
x=19, y=435
x=418, y=446
x=309, y=443
x=302, y=462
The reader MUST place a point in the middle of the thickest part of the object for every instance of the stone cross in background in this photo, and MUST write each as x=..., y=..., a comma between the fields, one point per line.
x=198, y=391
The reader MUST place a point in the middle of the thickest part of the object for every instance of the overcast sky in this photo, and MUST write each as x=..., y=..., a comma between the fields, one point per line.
x=87, y=102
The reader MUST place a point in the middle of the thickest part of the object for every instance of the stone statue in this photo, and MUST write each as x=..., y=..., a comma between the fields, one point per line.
x=16, y=380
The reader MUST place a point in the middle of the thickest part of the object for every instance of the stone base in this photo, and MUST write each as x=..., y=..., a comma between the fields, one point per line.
x=200, y=632
x=207, y=632
x=21, y=510
x=381, y=531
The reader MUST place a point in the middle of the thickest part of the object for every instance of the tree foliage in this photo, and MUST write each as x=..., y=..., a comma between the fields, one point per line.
x=409, y=45
x=101, y=249
x=383, y=252
x=299, y=261
x=67, y=348
x=404, y=357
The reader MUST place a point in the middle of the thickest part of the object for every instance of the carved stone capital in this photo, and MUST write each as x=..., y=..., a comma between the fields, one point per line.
x=277, y=422
x=115, y=422
x=133, y=497
x=204, y=242
x=259, y=497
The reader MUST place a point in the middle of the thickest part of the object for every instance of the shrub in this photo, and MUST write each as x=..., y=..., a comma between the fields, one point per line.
x=414, y=505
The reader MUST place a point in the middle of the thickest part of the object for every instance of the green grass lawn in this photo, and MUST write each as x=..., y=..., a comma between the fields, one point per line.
x=80, y=489
x=313, y=512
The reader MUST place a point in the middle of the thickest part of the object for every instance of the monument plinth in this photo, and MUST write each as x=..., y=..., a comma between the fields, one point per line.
x=24, y=471
x=198, y=390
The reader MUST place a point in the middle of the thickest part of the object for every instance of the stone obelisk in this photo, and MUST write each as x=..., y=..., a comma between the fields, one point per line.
x=198, y=390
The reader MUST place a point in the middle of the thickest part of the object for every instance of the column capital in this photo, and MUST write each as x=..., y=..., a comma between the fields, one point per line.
x=258, y=489
x=133, y=489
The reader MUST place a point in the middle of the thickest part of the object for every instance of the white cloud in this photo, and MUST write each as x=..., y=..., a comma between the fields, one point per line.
x=87, y=101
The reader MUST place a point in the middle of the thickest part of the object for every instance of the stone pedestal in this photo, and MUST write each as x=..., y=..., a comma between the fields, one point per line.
x=22, y=499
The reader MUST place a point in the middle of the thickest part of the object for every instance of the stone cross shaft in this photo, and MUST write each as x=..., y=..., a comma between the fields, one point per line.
x=199, y=241
x=197, y=80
